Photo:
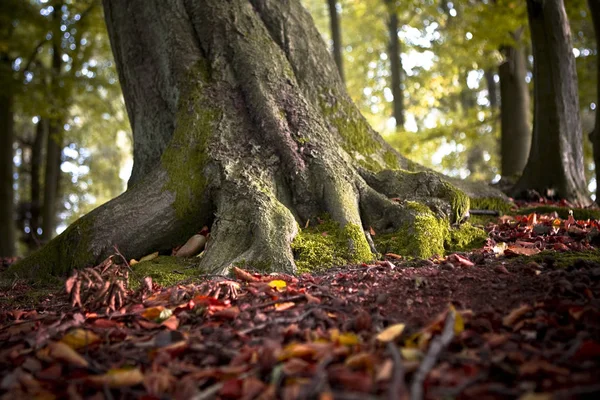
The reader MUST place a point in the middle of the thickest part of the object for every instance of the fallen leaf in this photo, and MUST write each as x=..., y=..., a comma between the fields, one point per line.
x=149, y=257
x=243, y=275
x=391, y=333
x=61, y=351
x=284, y=306
x=78, y=338
x=117, y=378
x=278, y=284
x=193, y=246
x=515, y=314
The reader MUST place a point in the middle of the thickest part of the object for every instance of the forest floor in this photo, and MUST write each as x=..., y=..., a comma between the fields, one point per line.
x=517, y=318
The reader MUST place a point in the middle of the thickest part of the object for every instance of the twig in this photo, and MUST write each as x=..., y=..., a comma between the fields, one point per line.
x=397, y=389
x=318, y=381
x=437, y=345
x=122, y=257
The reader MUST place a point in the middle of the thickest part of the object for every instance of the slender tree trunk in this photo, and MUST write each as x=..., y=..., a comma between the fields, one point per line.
x=336, y=36
x=595, y=135
x=37, y=149
x=515, y=141
x=492, y=88
x=395, y=53
x=555, y=161
x=54, y=147
x=242, y=123
x=7, y=224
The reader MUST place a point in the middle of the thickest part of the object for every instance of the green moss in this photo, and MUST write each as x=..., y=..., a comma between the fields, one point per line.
x=464, y=238
x=328, y=245
x=186, y=156
x=491, y=203
x=165, y=271
x=563, y=212
x=459, y=201
x=391, y=161
x=31, y=296
x=555, y=259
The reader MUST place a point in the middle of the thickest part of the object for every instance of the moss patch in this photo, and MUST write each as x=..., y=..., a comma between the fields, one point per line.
x=328, y=245
x=554, y=259
x=491, y=203
x=165, y=271
x=464, y=238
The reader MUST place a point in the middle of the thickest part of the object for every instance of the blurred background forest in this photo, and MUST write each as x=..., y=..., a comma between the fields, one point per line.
x=439, y=79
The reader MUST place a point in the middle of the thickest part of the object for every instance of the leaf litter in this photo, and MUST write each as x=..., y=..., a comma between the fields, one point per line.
x=492, y=323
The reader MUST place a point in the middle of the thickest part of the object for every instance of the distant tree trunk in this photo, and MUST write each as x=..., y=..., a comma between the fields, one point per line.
x=395, y=53
x=37, y=149
x=54, y=147
x=515, y=139
x=595, y=135
x=492, y=88
x=336, y=36
x=555, y=161
x=7, y=224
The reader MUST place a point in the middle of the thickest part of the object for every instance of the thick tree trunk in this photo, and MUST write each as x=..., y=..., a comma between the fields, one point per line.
x=336, y=36
x=595, y=135
x=54, y=147
x=515, y=139
x=395, y=53
x=241, y=123
x=556, y=158
x=7, y=224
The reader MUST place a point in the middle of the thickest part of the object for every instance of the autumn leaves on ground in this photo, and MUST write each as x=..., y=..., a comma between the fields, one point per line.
x=518, y=318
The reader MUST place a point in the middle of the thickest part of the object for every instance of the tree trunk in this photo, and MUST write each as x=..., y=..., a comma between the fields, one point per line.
x=336, y=36
x=515, y=139
x=54, y=147
x=242, y=123
x=555, y=161
x=7, y=224
x=595, y=135
x=492, y=88
x=41, y=134
x=395, y=53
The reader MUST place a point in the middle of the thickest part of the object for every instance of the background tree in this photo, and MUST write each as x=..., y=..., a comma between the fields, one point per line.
x=395, y=56
x=336, y=35
x=595, y=134
x=556, y=158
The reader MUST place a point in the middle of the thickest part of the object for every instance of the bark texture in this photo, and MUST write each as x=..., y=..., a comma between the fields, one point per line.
x=595, y=135
x=241, y=123
x=7, y=229
x=336, y=36
x=556, y=158
x=396, y=72
x=514, y=112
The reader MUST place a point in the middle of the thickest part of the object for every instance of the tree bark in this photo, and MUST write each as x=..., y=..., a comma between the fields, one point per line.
x=515, y=141
x=41, y=133
x=555, y=161
x=7, y=224
x=336, y=36
x=242, y=123
x=595, y=135
x=395, y=53
x=54, y=147
x=492, y=88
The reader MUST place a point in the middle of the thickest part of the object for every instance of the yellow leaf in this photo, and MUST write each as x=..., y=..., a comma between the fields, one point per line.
x=390, y=333
x=117, y=378
x=62, y=352
x=149, y=257
x=411, y=354
x=158, y=313
x=284, y=306
x=348, y=339
x=78, y=338
x=459, y=323
x=278, y=284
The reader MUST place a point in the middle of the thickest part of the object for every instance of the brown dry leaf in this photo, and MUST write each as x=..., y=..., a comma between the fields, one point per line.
x=521, y=250
x=149, y=257
x=244, y=275
x=515, y=314
x=533, y=367
x=171, y=323
x=384, y=371
x=117, y=378
x=78, y=338
x=362, y=360
x=62, y=352
x=193, y=246
x=311, y=299
x=228, y=313
x=303, y=350
x=390, y=333
x=394, y=256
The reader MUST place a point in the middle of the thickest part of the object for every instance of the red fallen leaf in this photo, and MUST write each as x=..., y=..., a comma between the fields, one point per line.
x=228, y=313
x=520, y=250
x=171, y=323
x=243, y=275
x=394, y=256
x=560, y=247
x=147, y=324
x=534, y=366
x=350, y=380
x=106, y=323
x=252, y=387
x=588, y=350
x=311, y=299
x=372, y=231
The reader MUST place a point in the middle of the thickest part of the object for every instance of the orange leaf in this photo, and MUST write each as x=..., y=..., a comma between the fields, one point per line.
x=243, y=275
x=117, y=378
x=391, y=333
x=284, y=306
x=62, y=352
